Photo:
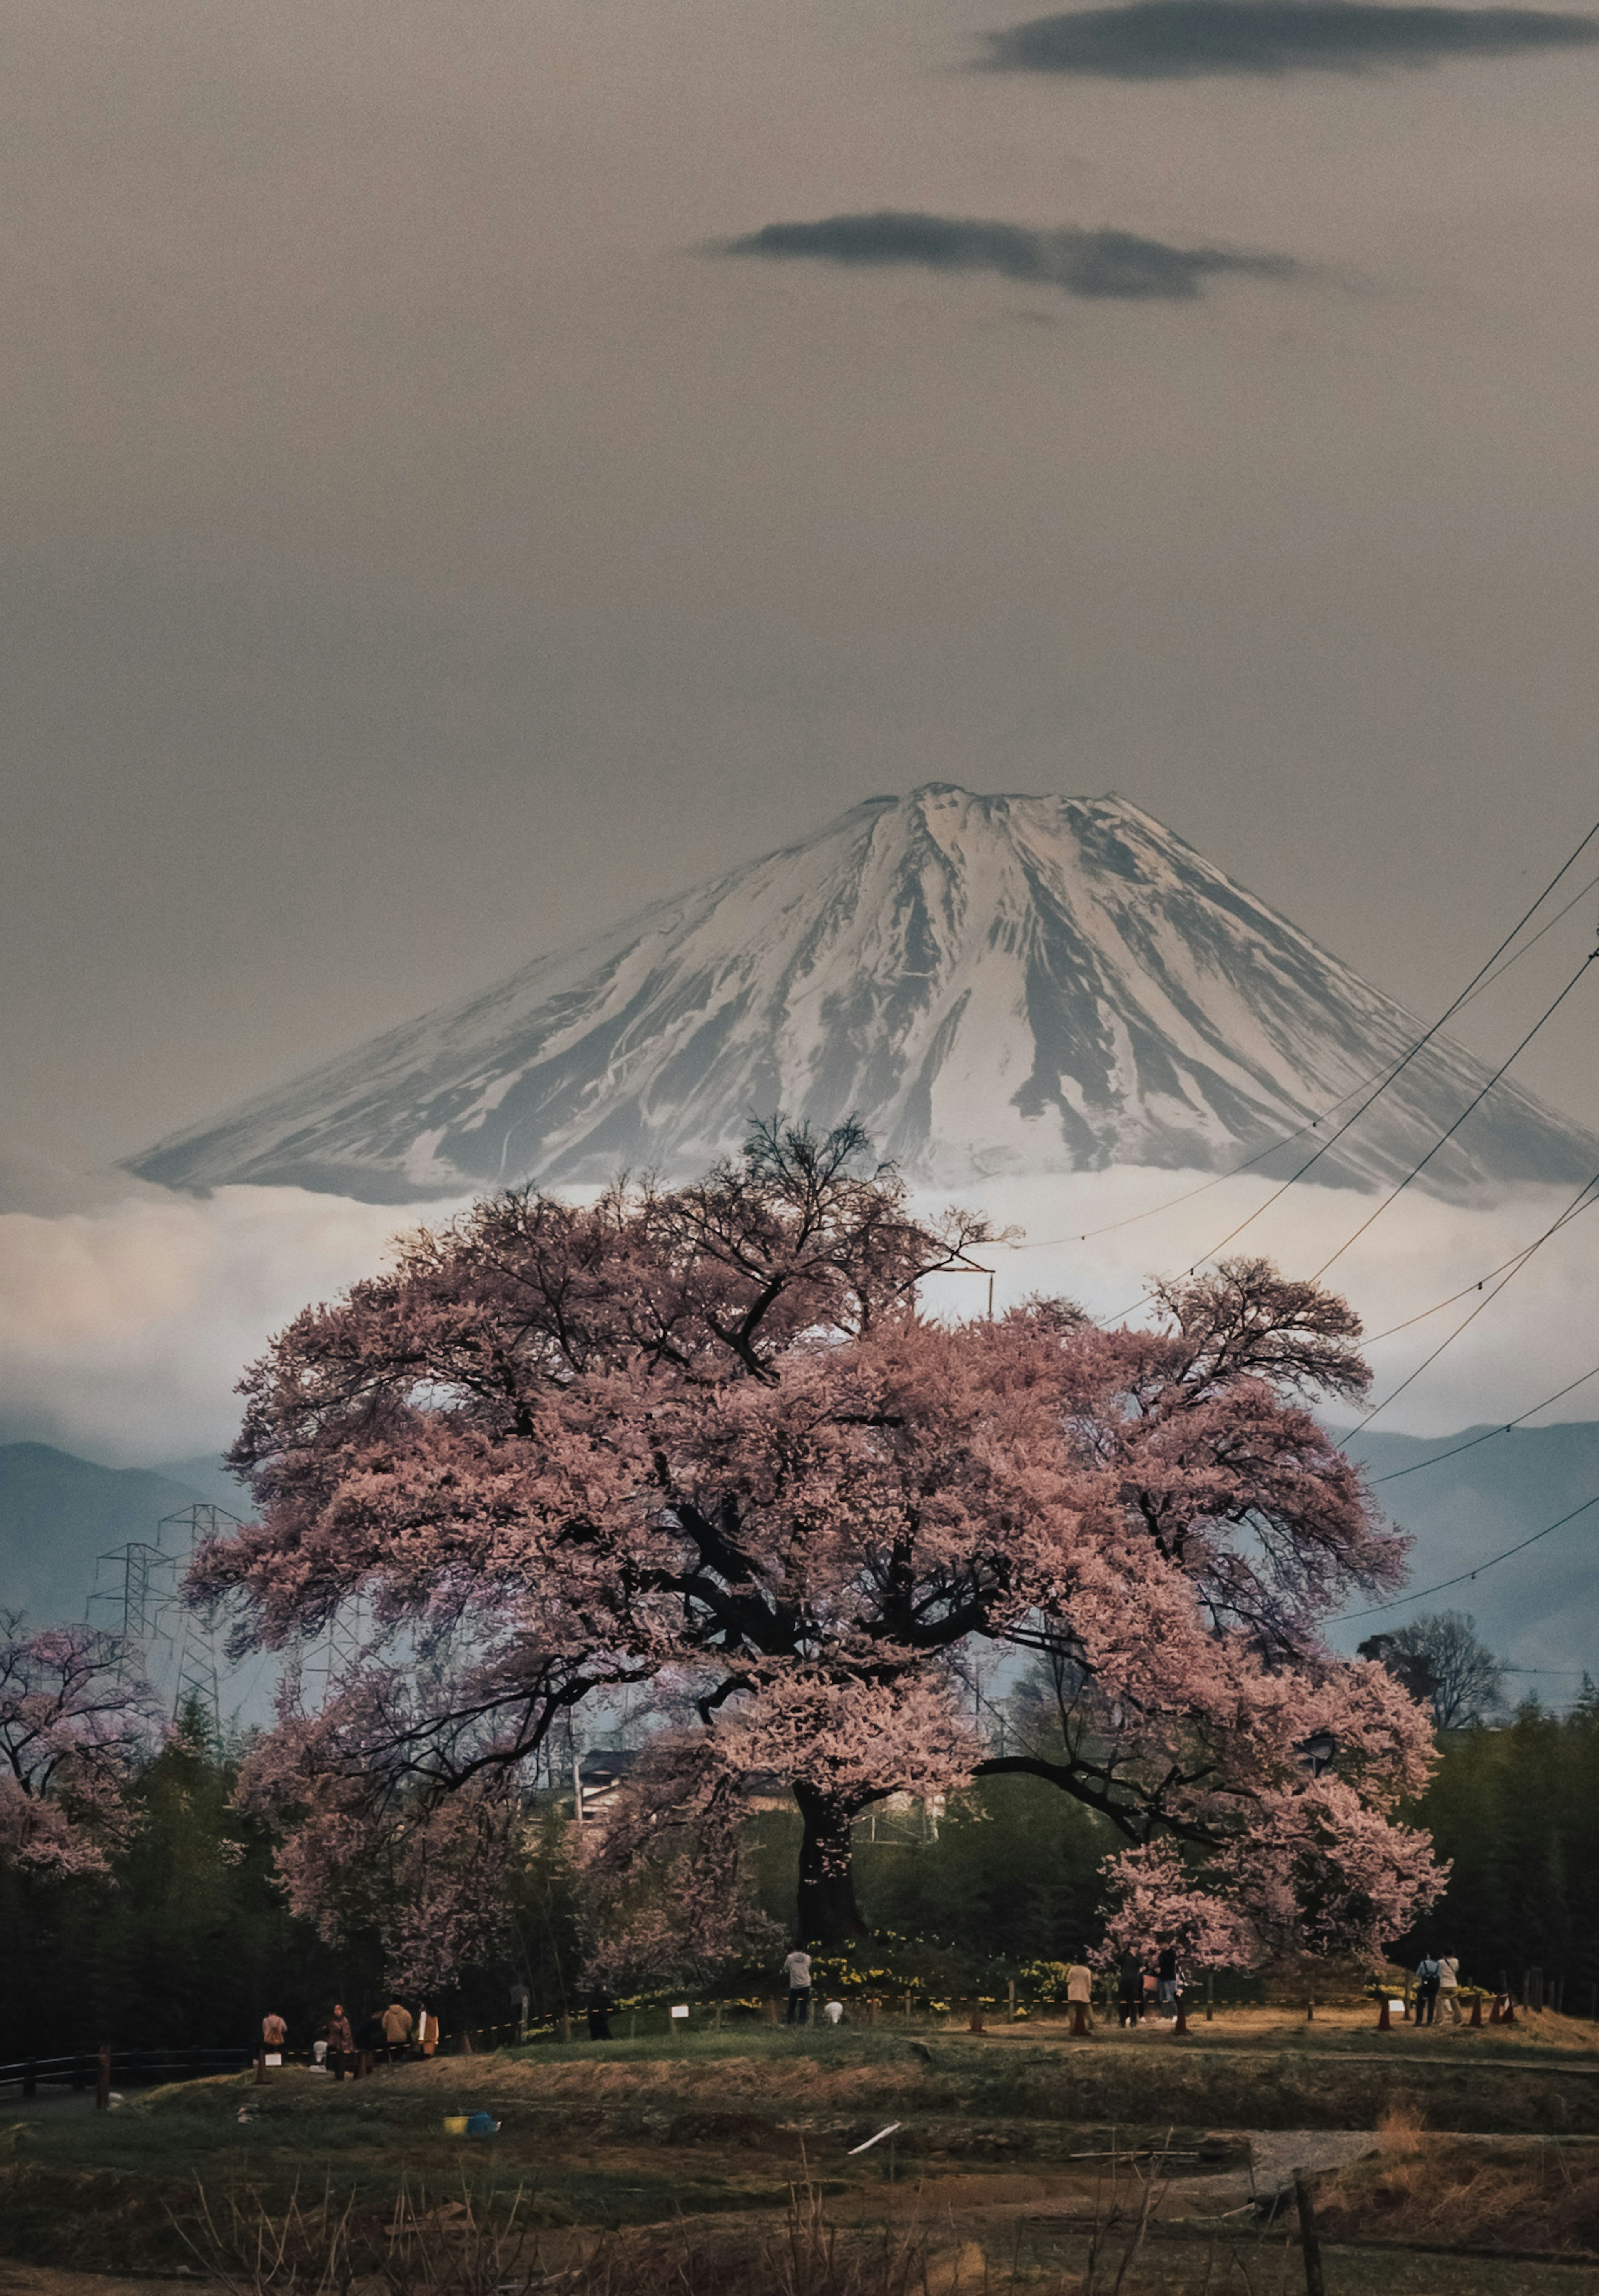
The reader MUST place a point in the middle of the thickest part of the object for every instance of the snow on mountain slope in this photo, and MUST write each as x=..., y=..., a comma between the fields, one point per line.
x=994, y=984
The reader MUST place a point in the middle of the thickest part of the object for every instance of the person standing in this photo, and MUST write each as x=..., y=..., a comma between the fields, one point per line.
x=1079, y=1996
x=1429, y=1971
x=1166, y=1978
x=796, y=1969
x=1448, y=1986
x=369, y=2045
x=599, y=2005
x=427, y=2033
x=273, y=2031
x=397, y=2023
x=1129, y=1989
x=341, y=2042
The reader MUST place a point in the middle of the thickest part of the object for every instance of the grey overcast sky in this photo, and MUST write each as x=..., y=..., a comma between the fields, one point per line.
x=447, y=502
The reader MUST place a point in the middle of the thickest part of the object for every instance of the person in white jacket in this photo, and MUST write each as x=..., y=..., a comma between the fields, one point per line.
x=1448, y=1986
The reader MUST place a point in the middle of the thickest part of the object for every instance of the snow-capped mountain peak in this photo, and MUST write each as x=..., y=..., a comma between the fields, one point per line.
x=993, y=984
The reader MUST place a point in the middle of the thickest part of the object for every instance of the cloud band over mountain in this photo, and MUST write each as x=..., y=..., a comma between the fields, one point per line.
x=1183, y=39
x=1087, y=263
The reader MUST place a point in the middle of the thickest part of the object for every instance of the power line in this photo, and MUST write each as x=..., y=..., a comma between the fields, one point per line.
x=1400, y=1066
x=1514, y=1264
x=1478, y=988
x=1396, y=1474
x=1554, y=1228
x=1422, y=1593
x=1478, y=1283
x=1216, y=1179
x=1416, y=1169
x=1537, y=937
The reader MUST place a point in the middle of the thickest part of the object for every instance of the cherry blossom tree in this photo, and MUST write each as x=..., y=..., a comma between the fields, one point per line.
x=74, y=1724
x=702, y=1441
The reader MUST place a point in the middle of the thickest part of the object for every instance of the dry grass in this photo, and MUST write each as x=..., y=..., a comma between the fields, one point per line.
x=1401, y=2128
x=422, y=2247
x=1511, y=2194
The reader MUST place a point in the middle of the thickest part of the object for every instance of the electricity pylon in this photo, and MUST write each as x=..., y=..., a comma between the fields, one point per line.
x=196, y=1676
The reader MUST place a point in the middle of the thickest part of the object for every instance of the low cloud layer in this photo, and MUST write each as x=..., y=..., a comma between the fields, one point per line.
x=1088, y=263
x=1534, y=1339
x=123, y=1330
x=1182, y=39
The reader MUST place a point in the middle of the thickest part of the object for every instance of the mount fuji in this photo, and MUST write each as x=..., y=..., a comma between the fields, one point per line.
x=995, y=985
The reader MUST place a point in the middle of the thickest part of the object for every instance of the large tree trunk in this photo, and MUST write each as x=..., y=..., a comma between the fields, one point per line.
x=828, y=1912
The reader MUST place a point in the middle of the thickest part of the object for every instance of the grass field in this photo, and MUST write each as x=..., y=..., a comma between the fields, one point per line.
x=703, y=2160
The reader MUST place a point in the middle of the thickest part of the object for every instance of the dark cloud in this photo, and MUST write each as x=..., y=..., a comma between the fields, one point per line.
x=1082, y=262
x=1180, y=39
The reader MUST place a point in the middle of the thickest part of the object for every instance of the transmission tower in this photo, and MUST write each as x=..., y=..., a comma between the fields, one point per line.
x=141, y=1582
x=339, y=1644
x=196, y=1676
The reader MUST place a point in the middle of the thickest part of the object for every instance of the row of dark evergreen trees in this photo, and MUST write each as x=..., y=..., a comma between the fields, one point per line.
x=189, y=1943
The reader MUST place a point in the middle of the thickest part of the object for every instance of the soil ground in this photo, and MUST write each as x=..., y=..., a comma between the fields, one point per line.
x=1464, y=2163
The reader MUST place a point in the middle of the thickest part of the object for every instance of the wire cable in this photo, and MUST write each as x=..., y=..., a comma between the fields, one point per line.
x=1571, y=1212
x=1513, y=1263
x=1416, y=1169
x=1478, y=986
x=1400, y=1066
x=1537, y=937
x=1396, y=1474
x=1479, y=1284
x=1554, y=1228
x=1422, y=1593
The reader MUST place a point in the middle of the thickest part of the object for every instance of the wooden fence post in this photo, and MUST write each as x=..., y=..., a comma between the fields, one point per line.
x=1315, y=2286
x=103, y=2085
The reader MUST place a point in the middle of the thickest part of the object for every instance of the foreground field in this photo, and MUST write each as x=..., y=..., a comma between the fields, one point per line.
x=726, y=2160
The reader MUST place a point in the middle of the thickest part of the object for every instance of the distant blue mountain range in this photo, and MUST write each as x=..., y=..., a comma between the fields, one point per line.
x=59, y=1514
x=1540, y=1608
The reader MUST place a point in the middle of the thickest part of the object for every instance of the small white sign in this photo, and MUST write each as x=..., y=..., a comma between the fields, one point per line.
x=272, y=2057
x=681, y=2009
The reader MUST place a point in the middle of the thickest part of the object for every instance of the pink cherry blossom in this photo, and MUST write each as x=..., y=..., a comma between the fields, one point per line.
x=75, y=1719
x=700, y=1446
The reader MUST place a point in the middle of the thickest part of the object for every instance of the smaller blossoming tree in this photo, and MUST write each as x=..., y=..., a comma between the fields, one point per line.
x=74, y=1724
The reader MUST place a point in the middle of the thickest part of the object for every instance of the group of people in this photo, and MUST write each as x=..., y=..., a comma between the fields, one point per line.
x=343, y=2048
x=1437, y=1978
x=1149, y=1985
